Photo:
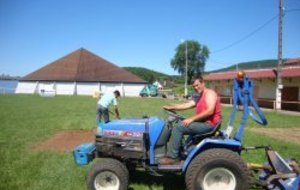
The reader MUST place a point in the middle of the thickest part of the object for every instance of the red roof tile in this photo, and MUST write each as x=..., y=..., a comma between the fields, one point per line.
x=291, y=72
x=256, y=74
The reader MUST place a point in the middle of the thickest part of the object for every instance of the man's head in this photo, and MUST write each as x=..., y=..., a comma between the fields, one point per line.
x=198, y=84
x=117, y=93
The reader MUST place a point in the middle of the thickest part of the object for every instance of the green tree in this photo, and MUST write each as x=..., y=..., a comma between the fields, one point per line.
x=197, y=56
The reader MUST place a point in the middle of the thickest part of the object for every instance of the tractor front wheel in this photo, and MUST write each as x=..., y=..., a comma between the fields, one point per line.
x=217, y=169
x=108, y=174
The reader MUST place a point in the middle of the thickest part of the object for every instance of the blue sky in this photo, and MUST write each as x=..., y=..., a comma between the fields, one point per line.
x=141, y=33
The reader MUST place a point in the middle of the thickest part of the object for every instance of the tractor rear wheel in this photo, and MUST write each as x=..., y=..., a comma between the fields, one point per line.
x=108, y=174
x=217, y=169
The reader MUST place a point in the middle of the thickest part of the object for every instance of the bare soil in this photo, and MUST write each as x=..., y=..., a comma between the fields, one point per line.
x=65, y=140
x=284, y=134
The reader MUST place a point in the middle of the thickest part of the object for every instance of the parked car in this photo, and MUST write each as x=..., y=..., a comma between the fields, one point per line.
x=149, y=90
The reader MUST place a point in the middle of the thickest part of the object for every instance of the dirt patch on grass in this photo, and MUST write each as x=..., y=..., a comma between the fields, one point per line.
x=65, y=140
x=285, y=134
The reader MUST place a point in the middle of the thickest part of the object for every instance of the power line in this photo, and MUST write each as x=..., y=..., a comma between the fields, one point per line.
x=247, y=36
x=253, y=32
x=291, y=10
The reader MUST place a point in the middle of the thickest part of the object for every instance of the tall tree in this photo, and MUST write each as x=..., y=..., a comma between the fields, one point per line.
x=197, y=56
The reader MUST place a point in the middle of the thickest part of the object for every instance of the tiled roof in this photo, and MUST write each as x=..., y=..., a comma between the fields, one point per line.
x=255, y=73
x=82, y=65
x=295, y=61
x=291, y=72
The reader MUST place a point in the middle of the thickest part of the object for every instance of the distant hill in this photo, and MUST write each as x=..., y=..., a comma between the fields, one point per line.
x=250, y=65
x=151, y=76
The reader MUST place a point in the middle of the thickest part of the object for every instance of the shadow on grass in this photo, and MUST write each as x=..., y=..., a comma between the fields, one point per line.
x=167, y=182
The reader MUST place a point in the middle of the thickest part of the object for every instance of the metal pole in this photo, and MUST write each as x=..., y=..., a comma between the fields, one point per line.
x=186, y=68
x=279, y=65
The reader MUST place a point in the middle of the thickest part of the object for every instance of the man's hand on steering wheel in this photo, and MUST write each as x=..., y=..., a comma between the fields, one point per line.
x=170, y=111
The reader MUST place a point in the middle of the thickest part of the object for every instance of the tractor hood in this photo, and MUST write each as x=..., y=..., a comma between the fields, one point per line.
x=135, y=126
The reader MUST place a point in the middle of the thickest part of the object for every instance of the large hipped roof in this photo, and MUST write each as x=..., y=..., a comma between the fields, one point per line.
x=82, y=65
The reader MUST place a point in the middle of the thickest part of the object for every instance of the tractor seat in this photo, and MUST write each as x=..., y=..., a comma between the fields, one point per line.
x=197, y=137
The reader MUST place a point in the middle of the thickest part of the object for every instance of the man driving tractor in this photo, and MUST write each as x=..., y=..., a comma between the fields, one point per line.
x=207, y=115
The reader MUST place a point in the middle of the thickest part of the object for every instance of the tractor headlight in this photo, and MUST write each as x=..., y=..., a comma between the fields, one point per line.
x=99, y=131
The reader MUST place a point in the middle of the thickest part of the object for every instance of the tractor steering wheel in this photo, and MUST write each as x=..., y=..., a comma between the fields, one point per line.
x=174, y=114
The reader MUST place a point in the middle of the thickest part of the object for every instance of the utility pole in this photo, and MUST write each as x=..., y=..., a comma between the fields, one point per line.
x=279, y=65
x=186, y=68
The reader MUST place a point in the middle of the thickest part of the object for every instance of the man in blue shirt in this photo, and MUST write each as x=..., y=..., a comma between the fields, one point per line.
x=103, y=106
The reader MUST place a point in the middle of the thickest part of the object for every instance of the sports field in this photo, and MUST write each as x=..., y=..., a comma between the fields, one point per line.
x=37, y=135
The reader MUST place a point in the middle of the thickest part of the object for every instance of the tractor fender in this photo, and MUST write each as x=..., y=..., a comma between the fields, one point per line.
x=209, y=143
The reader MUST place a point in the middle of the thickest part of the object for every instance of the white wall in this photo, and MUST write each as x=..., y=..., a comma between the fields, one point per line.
x=132, y=89
x=79, y=88
x=26, y=87
x=125, y=89
x=87, y=88
x=46, y=86
x=266, y=87
x=223, y=88
x=111, y=87
x=65, y=88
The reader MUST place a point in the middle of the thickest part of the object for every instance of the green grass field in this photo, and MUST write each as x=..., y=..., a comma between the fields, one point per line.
x=28, y=119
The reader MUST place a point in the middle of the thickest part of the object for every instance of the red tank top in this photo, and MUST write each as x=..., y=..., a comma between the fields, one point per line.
x=215, y=118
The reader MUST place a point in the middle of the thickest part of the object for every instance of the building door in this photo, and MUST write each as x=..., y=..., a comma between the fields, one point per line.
x=290, y=93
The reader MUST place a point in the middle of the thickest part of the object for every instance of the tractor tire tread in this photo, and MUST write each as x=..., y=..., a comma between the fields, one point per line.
x=112, y=165
x=212, y=154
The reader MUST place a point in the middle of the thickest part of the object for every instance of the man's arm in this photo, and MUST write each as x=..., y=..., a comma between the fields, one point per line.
x=183, y=106
x=211, y=100
x=117, y=112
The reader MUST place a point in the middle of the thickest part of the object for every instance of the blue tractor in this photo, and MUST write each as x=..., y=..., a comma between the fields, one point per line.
x=209, y=161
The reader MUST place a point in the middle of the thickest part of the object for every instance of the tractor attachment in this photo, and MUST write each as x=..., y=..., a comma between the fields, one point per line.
x=277, y=173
